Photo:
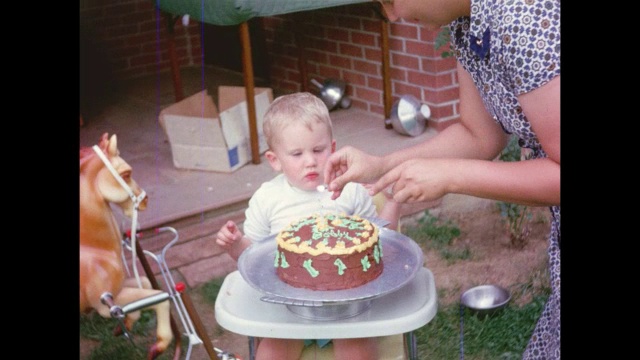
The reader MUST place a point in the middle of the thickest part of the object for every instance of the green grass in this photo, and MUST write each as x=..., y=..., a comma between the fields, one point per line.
x=501, y=336
x=110, y=347
x=210, y=290
x=209, y=293
x=434, y=233
x=453, y=255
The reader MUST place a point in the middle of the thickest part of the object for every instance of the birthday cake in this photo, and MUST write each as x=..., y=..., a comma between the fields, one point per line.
x=329, y=252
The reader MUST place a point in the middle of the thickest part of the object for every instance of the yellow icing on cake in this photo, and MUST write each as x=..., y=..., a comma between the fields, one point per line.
x=366, y=239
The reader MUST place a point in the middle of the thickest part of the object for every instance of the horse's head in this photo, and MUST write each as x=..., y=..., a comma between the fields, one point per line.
x=109, y=186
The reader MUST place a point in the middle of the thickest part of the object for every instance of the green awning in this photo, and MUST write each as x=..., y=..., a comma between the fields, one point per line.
x=233, y=12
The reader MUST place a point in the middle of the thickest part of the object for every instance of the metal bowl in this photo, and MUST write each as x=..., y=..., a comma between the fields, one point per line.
x=409, y=116
x=332, y=93
x=485, y=299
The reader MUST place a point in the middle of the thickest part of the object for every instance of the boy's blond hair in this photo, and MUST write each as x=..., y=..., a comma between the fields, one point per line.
x=297, y=107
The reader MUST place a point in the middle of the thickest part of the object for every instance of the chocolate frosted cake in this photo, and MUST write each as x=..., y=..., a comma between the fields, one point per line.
x=329, y=252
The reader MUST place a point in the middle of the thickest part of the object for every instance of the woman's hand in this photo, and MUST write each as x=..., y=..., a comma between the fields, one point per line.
x=351, y=165
x=417, y=180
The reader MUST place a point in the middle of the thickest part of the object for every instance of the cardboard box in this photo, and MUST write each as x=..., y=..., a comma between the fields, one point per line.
x=203, y=139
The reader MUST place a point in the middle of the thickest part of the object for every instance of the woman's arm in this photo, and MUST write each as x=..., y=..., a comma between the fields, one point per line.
x=531, y=182
x=477, y=135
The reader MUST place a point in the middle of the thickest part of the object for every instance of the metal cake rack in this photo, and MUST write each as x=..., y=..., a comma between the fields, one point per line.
x=402, y=260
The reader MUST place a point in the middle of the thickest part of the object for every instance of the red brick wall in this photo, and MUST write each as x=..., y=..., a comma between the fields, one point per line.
x=345, y=43
x=341, y=42
x=126, y=32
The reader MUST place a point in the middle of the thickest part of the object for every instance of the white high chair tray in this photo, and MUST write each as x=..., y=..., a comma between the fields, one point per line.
x=402, y=260
x=239, y=309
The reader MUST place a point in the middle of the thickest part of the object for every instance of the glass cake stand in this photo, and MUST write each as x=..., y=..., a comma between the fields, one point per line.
x=402, y=260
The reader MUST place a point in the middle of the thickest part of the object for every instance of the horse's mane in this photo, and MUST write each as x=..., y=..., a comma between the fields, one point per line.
x=87, y=153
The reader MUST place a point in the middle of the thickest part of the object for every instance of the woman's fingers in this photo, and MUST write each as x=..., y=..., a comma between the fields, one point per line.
x=388, y=182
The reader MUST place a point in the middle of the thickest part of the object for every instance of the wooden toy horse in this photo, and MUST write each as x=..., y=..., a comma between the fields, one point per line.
x=101, y=266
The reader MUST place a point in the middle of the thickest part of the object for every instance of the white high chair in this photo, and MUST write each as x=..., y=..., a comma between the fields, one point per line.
x=390, y=318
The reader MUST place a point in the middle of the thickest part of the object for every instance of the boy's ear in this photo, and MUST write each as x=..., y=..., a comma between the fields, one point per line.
x=333, y=146
x=273, y=160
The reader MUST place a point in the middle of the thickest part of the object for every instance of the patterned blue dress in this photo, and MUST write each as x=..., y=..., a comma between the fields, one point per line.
x=511, y=47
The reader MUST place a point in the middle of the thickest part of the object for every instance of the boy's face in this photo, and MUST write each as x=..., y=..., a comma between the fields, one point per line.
x=301, y=154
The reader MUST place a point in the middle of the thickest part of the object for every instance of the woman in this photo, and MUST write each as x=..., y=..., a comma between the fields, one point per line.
x=508, y=69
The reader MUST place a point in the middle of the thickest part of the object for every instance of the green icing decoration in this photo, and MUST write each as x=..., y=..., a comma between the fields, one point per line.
x=376, y=254
x=294, y=228
x=307, y=265
x=365, y=263
x=284, y=264
x=341, y=266
x=275, y=263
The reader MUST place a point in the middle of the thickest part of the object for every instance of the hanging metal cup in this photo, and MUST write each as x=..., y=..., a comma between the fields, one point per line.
x=332, y=93
x=409, y=116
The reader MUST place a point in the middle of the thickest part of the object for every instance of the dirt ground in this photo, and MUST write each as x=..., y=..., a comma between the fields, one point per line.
x=493, y=260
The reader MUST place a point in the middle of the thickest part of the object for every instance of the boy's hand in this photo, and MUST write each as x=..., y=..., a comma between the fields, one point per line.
x=228, y=235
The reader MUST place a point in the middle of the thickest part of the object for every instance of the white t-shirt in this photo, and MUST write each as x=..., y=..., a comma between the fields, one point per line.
x=276, y=204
